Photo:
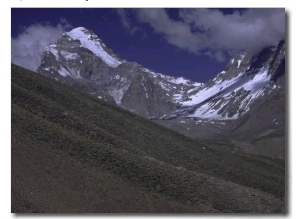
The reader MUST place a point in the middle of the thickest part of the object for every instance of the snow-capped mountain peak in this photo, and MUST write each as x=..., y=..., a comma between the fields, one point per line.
x=90, y=41
x=81, y=59
x=231, y=93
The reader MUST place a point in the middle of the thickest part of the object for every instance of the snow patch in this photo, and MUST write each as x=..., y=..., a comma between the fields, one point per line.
x=223, y=88
x=177, y=97
x=69, y=55
x=163, y=86
x=198, y=84
x=72, y=73
x=206, y=112
x=179, y=80
x=153, y=74
x=53, y=50
x=63, y=72
x=191, y=90
x=117, y=95
x=254, y=86
x=88, y=41
x=239, y=61
x=208, y=92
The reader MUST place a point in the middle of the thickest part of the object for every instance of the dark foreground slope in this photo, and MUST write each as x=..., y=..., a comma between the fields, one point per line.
x=72, y=152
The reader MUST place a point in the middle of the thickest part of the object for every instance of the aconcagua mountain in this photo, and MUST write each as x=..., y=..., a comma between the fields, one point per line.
x=243, y=102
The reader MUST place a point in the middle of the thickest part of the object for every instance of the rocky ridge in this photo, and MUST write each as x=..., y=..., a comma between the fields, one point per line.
x=80, y=59
x=240, y=103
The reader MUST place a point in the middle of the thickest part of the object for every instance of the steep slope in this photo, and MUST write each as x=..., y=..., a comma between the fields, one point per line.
x=246, y=79
x=227, y=107
x=81, y=59
x=239, y=104
x=72, y=152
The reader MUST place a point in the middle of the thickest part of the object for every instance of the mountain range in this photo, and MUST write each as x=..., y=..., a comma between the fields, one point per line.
x=243, y=105
x=94, y=133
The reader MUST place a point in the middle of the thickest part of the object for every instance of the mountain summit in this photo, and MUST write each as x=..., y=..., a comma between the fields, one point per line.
x=231, y=93
x=250, y=90
x=81, y=59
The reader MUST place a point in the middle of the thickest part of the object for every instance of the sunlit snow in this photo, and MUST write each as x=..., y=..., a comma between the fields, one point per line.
x=69, y=55
x=234, y=84
x=179, y=80
x=255, y=87
x=93, y=45
x=177, y=97
x=53, y=50
x=239, y=61
x=63, y=72
x=72, y=73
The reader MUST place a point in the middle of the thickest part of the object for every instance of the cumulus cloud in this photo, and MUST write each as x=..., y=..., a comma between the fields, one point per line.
x=175, y=32
x=27, y=48
x=250, y=30
x=199, y=30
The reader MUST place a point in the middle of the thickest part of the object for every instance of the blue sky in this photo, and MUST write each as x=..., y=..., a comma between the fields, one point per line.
x=195, y=43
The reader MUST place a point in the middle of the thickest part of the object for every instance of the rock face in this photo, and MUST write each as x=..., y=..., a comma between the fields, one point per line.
x=244, y=104
x=246, y=79
x=80, y=59
x=240, y=103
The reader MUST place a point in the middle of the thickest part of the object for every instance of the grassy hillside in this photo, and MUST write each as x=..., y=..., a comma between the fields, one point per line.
x=72, y=152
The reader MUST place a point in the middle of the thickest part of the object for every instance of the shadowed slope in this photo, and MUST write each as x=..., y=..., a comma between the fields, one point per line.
x=72, y=152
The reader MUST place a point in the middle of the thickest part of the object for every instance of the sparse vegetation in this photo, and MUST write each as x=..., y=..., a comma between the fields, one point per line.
x=77, y=153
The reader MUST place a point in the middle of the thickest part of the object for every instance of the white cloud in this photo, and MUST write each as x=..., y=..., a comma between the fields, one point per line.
x=175, y=32
x=27, y=48
x=216, y=55
x=126, y=22
x=199, y=30
x=249, y=30
x=124, y=18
